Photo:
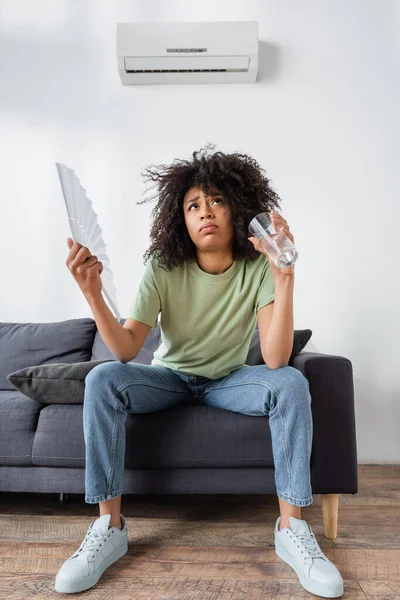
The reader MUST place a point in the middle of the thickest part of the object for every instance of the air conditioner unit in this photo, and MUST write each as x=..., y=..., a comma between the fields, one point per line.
x=208, y=52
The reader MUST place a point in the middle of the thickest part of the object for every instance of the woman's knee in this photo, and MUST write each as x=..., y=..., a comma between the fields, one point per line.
x=101, y=384
x=296, y=384
x=103, y=373
x=296, y=375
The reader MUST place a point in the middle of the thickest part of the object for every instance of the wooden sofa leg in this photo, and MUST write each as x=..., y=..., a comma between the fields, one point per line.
x=330, y=512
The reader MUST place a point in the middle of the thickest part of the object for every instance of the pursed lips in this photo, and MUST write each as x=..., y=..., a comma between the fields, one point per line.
x=209, y=227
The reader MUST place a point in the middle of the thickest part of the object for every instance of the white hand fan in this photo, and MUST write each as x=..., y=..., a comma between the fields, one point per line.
x=85, y=228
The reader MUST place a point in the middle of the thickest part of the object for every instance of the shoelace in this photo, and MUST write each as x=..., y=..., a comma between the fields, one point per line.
x=310, y=544
x=92, y=541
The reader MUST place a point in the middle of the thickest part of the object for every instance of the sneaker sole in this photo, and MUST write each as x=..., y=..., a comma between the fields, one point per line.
x=315, y=587
x=68, y=586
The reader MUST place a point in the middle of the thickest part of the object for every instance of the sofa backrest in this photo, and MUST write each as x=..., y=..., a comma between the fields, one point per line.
x=29, y=344
x=153, y=340
x=78, y=340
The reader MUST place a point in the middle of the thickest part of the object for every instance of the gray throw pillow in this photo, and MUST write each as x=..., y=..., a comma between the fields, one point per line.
x=58, y=383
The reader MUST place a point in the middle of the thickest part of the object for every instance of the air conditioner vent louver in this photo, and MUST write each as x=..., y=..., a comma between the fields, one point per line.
x=186, y=71
x=186, y=64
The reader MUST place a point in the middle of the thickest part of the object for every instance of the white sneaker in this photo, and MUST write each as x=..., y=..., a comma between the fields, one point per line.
x=100, y=548
x=297, y=546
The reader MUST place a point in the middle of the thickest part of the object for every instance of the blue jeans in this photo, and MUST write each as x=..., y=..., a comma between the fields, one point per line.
x=114, y=389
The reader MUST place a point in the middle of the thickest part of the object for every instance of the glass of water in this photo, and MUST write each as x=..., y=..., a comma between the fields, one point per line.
x=275, y=242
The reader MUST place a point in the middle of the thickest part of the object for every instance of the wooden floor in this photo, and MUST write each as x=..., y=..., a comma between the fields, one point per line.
x=203, y=547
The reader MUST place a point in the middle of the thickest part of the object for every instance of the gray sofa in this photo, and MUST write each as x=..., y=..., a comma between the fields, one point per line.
x=181, y=450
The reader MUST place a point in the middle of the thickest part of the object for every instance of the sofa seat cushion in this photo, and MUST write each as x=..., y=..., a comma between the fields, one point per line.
x=18, y=420
x=179, y=436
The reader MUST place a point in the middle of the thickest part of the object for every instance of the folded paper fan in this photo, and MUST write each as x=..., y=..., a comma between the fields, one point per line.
x=85, y=228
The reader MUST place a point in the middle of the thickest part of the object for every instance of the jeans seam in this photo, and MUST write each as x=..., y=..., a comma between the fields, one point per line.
x=124, y=386
x=285, y=445
x=113, y=446
x=247, y=383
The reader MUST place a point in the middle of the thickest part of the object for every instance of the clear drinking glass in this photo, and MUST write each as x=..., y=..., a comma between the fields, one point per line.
x=275, y=242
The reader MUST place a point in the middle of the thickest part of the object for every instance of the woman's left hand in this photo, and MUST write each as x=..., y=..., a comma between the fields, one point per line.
x=280, y=224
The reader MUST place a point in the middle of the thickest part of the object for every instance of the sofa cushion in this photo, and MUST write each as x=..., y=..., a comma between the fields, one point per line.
x=185, y=436
x=18, y=421
x=26, y=344
x=57, y=383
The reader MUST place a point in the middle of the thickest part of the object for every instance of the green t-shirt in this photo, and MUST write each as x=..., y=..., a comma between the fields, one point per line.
x=207, y=321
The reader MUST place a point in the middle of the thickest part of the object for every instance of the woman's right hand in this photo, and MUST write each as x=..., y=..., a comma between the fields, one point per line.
x=85, y=269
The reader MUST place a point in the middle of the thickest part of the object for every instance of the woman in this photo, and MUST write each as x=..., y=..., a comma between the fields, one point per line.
x=211, y=283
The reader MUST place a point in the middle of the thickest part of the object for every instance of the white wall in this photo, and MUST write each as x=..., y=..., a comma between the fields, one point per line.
x=323, y=120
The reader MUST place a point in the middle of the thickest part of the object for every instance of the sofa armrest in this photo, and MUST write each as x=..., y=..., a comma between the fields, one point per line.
x=334, y=450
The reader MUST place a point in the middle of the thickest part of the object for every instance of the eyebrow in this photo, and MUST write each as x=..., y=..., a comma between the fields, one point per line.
x=211, y=194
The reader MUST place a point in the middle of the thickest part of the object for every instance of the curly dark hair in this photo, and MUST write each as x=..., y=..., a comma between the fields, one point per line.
x=238, y=176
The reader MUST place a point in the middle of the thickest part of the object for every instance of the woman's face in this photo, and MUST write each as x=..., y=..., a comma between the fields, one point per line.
x=200, y=210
